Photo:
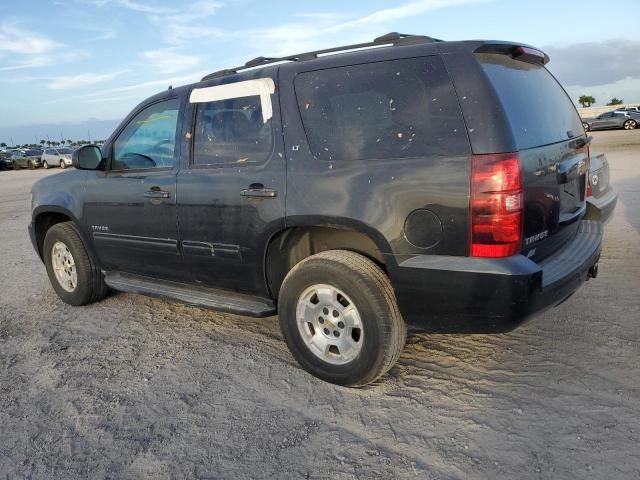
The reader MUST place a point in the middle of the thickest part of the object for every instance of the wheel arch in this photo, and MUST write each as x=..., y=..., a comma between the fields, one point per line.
x=297, y=241
x=45, y=217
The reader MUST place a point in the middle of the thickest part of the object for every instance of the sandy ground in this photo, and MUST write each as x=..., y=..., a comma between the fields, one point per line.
x=134, y=387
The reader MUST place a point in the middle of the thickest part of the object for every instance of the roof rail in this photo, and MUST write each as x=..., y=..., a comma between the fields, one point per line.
x=392, y=38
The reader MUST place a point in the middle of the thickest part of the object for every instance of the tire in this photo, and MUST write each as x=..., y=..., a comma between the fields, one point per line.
x=360, y=284
x=62, y=164
x=45, y=165
x=630, y=125
x=30, y=165
x=89, y=285
x=586, y=127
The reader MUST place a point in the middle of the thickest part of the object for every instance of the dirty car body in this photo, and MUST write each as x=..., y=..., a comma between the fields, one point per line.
x=418, y=156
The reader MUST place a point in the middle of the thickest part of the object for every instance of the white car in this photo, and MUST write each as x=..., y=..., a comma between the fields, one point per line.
x=57, y=157
x=628, y=109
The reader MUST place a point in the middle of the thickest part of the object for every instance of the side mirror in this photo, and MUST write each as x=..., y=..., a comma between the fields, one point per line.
x=87, y=157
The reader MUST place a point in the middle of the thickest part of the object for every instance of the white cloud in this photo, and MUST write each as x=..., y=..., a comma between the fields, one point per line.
x=134, y=6
x=168, y=61
x=312, y=31
x=66, y=82
x=164, y=82
x=409, y=9
x=180, y=28
x=15, y=39
x=21, y=48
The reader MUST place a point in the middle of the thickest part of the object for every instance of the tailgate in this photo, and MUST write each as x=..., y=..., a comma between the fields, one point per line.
x=554, y=196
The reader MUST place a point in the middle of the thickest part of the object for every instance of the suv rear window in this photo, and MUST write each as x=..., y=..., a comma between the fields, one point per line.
x=539, y=110
x=392, y=109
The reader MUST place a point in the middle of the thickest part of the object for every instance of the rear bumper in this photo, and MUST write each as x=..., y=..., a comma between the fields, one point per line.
x=476, y=295
x=601, y=208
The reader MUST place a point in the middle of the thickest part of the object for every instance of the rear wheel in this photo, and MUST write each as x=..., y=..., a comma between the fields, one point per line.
x=62, y=164
x=72, y=273
x=630, y=124
x=339, y=317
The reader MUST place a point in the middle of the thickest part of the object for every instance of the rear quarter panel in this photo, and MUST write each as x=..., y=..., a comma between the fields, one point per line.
x=375, y=196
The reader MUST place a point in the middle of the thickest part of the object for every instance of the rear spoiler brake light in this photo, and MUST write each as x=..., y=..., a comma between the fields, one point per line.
x=517, y=52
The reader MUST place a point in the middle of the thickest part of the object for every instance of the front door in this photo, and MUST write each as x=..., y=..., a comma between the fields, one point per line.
x=130, y=208
x=232, y=192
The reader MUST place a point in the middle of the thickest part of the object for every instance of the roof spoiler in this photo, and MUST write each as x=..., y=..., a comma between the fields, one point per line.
x=523, y=53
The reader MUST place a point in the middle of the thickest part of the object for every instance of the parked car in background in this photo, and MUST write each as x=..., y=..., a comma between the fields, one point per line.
x=28, y=158
x=601, y=197
x=57, y=157
x=628, y=109
x=5, y=161
x=611, y=120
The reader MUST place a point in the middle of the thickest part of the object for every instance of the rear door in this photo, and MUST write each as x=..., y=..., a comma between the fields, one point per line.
x=548, y=134
x=232, y=190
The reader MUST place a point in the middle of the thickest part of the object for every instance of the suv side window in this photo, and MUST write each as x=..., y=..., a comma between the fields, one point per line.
x=231, y=131
x=148, y=140
x=392, y=109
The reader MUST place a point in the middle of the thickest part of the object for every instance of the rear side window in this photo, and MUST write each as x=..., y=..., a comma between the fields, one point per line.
x=393, y=109
x=538, y=108
x=231, y=131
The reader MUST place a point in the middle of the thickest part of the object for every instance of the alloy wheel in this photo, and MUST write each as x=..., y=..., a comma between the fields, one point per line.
x=329, y=324
x=64, y=266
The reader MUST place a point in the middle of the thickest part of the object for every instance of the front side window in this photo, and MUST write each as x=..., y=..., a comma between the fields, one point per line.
x=393, y=109
x=148, y=141
x=232, y=132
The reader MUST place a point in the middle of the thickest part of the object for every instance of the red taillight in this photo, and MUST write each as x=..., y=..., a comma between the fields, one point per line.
x=496, y=205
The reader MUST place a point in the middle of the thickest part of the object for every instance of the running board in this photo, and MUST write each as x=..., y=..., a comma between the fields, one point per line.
x=216, y=299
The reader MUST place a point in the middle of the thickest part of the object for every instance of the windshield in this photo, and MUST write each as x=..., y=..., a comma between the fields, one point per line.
x=539, y=110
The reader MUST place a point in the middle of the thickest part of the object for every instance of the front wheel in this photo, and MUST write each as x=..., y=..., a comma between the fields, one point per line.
x=45, y=165
x=340, y=319
x=586, y=127
x=72, y=273
x=62, y=164
x=30, y=165
x=630, y=125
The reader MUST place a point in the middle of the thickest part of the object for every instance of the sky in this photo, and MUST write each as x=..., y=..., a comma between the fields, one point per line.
x=70, y=65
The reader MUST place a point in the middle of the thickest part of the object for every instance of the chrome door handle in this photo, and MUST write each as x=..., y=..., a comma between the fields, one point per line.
x=156, y=194
x=258, y=190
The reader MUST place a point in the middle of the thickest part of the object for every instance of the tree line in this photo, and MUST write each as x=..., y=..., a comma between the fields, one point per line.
x=588, y=100
x=50, y=143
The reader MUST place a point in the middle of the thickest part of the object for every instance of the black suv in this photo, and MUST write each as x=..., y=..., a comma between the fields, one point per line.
x=407, y=182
